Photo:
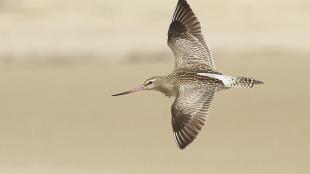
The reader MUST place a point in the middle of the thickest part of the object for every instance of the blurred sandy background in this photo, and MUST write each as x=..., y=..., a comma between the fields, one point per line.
x=60, y=61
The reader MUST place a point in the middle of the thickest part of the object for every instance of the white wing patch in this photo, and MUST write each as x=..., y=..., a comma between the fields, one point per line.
x=227, y=80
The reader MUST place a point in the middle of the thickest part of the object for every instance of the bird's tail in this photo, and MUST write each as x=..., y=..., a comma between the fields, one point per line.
x=242, y=82
x=234, y=81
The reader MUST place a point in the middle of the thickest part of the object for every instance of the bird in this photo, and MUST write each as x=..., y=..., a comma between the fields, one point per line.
x=194, y=80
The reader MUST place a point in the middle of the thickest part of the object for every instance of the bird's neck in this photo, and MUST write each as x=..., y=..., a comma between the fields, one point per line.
x=168, y=88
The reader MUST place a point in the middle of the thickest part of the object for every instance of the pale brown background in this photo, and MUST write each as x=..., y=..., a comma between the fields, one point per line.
x=60, y=61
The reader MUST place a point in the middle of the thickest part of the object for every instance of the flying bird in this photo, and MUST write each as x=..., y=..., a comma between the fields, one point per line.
x=194, y=79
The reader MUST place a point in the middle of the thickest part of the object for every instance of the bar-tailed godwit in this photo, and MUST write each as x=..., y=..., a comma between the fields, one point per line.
x=194, y=79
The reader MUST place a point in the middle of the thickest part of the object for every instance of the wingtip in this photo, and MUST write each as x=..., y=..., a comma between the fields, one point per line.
x=182, y=147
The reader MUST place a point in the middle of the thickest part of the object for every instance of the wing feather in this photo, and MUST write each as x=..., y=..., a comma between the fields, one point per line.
x=189, y=112
x=185, y=38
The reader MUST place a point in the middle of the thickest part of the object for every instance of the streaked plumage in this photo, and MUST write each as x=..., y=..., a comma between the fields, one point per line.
x=185, y=39
x=194, y=79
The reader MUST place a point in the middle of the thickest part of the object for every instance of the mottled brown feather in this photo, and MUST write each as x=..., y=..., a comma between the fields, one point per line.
x=189, y=112
x=185, y=38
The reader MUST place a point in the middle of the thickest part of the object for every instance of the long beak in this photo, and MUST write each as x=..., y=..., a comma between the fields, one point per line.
x=140, y=88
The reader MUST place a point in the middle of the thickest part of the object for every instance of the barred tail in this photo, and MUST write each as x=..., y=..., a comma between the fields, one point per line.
x=233, y=81
x=243, y=82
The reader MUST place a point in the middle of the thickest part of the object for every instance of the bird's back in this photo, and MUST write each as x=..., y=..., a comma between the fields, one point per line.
x=190, y=76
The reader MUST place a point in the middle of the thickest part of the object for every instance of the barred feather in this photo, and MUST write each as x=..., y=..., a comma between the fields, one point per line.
x=185, y=38
x=233, y=81
x=189, y=112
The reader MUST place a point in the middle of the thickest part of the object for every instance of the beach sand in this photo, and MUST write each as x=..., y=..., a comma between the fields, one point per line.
x=57, y=114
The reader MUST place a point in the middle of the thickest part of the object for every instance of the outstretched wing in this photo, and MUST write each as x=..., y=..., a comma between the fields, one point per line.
x=185, y=38
x=189, y=112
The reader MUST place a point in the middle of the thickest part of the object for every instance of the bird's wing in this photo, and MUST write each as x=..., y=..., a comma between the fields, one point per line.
x=185, y=38
x=189, y=112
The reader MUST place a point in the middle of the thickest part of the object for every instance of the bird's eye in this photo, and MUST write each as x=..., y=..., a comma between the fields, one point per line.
x=150, y=82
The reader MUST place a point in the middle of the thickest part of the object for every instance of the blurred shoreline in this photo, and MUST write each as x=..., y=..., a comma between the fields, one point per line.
x=60, y=61
x=103, y=29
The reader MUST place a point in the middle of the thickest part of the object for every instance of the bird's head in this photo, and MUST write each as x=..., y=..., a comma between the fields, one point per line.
x=150, y=84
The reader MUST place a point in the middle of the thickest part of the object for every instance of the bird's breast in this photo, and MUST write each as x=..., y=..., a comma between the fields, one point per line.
x=169, y=90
